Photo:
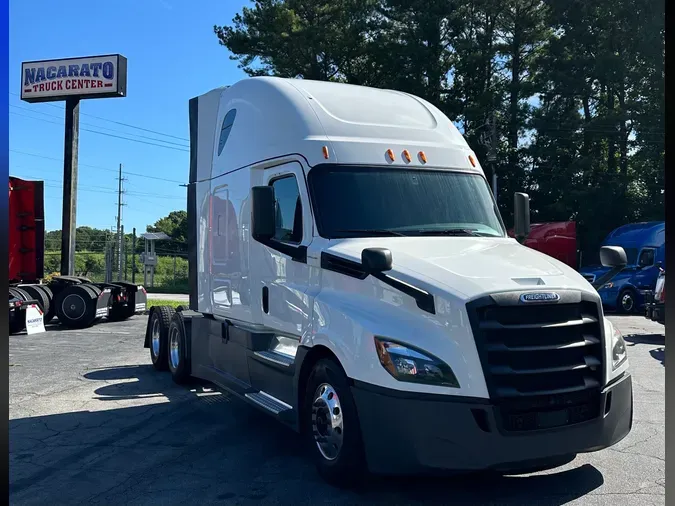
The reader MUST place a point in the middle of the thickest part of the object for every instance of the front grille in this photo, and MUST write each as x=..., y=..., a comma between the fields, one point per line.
x=543, y=363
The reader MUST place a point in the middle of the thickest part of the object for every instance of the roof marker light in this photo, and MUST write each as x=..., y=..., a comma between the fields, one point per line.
x=390, y=154
x=473, y=162
x=406, y=155
x=325, y=152
x=422, y=156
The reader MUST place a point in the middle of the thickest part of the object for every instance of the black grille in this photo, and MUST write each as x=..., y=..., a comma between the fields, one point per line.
x=543, y=363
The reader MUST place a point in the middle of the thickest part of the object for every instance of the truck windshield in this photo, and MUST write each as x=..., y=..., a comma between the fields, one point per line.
x=375, y=201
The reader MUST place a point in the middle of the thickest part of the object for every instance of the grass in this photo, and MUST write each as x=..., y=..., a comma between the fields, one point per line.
x=161, y=302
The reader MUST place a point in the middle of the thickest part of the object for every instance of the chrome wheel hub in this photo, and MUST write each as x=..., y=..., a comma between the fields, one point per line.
x=155, y=338
x=327, y=421
x=174, y=349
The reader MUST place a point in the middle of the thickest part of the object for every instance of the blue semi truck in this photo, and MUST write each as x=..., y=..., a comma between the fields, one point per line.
x=645, y=246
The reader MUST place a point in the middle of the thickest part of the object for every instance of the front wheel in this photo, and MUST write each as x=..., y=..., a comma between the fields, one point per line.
x=331, y=424
x=627, y=301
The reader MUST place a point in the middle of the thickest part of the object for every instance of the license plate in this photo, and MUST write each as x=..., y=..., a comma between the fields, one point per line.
x=553, y=418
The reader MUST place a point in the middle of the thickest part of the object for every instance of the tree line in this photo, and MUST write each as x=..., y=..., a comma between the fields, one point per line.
x=95, y=240
x=576, y=89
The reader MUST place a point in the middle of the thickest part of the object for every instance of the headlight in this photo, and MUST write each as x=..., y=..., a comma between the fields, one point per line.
x=619, y=354
x=408, y=364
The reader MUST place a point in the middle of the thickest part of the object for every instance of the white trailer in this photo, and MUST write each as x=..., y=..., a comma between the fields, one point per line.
x=350, y=275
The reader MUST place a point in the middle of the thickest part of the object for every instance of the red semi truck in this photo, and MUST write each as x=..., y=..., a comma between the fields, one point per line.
x=557, y=239
x=76, y=301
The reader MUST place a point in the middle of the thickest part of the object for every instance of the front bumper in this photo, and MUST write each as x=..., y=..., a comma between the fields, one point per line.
x=405, y=433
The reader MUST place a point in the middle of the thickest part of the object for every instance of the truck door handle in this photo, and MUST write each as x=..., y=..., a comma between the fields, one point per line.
x=265, y=300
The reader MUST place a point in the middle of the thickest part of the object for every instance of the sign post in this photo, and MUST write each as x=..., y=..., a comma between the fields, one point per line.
x=72, y=79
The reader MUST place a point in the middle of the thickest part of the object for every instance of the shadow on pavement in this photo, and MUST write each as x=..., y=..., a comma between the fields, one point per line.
x=658, y=353
x=199, y=446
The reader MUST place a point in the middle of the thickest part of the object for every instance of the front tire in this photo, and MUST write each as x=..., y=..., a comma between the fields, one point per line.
x=331, y=426
x=627, y=301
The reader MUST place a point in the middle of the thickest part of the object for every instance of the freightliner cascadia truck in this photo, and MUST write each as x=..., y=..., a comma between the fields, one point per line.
x=350, y=275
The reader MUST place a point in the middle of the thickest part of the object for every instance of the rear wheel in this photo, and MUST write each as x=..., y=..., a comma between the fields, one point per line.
x=119, y=312
x=331, y=424
x=76, y=306
x=178, y=362
x=159, y=330
x=36, y=292
x=49, y=315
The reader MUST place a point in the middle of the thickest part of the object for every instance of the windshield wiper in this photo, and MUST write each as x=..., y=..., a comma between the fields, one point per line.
x=373, y=231
x=455, y=232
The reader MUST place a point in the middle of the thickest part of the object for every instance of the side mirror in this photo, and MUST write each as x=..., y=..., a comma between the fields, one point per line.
x=613, y=256
x=376, y=260
x=263, y=214
x=521, y=216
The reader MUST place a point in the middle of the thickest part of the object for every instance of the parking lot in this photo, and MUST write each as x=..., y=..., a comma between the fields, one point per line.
x=91, y=422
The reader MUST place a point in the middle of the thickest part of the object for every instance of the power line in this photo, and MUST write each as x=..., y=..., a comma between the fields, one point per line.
x=113, y=121
x=92, y=124
x=110, y=135
x=96, y=167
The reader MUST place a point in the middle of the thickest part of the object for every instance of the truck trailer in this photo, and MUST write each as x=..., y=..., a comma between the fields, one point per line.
x=76, y=301
x=351, y=276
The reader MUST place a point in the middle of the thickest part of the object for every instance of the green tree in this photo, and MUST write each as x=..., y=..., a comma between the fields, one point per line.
x=322, y=39
x=175, y=226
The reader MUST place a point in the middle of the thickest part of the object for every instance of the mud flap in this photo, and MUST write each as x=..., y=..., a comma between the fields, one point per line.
x=103, y=303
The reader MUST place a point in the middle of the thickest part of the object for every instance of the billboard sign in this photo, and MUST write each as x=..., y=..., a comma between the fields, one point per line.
x=87, y=77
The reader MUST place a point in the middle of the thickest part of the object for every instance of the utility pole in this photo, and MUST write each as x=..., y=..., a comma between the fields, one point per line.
x=133, y=256
x=70, y=158
x=492, y=152
x=120, y=238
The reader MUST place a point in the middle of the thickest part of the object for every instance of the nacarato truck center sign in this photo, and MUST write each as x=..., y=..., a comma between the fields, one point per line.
x=87, y=77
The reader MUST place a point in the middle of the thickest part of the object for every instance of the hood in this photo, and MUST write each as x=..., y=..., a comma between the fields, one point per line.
x=467, y=266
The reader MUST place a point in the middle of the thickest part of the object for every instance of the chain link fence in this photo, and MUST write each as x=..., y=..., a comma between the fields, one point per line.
x=171, y=271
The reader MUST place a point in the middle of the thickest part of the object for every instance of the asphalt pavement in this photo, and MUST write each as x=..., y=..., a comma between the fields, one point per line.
x=91, y=422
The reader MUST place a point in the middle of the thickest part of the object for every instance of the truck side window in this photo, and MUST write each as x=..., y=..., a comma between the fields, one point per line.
x=225, y=130
x=289, y=209
x=646, y=257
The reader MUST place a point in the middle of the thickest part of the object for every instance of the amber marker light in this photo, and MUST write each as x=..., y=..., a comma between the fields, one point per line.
x=422, y=156
x=325, y=152
x=473, y=162
x=406, y=155
x=390, y=154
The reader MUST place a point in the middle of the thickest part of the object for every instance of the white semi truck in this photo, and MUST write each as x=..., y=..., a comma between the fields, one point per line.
x=351, y=276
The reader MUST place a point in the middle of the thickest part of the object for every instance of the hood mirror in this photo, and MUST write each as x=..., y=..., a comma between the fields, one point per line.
x=376, y=260
x=613, y=256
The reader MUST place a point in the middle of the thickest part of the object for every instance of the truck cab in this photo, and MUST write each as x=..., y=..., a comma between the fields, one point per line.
x=645, y=247
x=352, y=277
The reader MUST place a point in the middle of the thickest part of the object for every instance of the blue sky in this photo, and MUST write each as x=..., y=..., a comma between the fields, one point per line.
x=172, y=55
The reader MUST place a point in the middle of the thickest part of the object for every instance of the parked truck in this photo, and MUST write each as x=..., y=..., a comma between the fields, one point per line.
x=555, y=238
x=76, y=301
x=645, y=247
x=655, y=302
x=360, y=287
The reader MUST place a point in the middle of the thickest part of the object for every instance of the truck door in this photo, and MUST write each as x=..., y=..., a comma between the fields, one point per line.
x=282, y=282
x=647, y=272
